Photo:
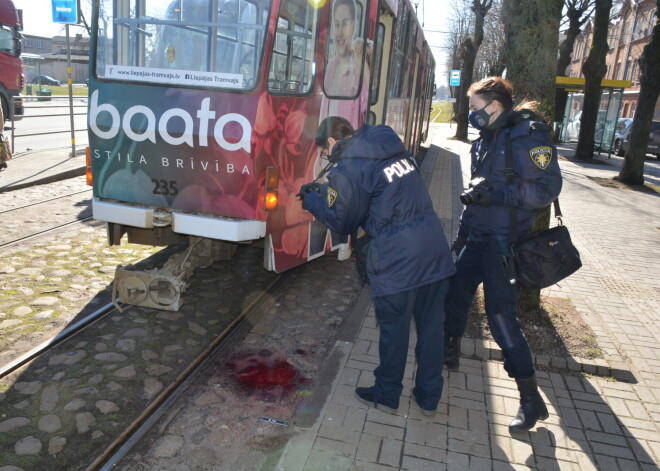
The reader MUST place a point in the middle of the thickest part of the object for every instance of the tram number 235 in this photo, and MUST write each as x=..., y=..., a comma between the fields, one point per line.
x=164, y=187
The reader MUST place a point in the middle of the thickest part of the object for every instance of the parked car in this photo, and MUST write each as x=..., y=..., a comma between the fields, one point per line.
x=573, y=126
x=44, y=80
x=622, y=134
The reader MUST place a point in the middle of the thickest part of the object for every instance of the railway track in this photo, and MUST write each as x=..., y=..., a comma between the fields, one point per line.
x=230, y=306
x=55, y=198
x=42, y=217
x=45, y=232
x=123, y=444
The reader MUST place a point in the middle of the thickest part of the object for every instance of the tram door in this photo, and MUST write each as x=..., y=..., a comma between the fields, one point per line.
x=411, y=132
x=381, y=62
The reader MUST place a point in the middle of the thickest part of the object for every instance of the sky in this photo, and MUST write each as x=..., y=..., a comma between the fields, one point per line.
x=433, y=14
x=37, y=19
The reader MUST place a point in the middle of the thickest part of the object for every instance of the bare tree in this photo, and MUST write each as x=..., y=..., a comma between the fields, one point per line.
x=490, y=59
x=469, y=48
x=459, y=26
x=594, y=69
x=632, y=171
x=532, y=35
x=577, y=13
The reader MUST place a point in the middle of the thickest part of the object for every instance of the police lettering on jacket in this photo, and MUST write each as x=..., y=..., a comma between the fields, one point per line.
x=398, y=169
x=408, y=248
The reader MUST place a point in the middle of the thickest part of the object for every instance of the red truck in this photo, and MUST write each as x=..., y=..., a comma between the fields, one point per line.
x=12, y=72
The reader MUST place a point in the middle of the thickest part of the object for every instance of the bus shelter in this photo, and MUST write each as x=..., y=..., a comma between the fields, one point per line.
x=611, y=98
x=32, y=63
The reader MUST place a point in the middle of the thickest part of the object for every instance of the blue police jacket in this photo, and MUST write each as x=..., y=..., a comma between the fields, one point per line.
x=537, y=180
x=375, y=184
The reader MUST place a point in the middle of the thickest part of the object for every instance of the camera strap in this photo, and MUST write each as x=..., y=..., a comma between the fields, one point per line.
x=510, y=174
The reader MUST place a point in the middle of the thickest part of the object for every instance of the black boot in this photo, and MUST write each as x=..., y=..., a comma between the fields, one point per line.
x=452, y=353
x=532, y=407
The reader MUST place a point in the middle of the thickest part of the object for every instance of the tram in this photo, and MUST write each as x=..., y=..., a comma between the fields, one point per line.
x=202, y=113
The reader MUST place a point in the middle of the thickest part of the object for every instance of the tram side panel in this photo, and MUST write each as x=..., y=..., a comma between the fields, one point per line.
x=343, y=51
x=168, y=145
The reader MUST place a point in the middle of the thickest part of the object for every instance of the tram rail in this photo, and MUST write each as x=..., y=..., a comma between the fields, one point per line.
x=45, y=232
x=123, y=444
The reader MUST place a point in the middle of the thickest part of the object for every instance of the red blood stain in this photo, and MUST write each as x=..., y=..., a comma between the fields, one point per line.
x=262, y=372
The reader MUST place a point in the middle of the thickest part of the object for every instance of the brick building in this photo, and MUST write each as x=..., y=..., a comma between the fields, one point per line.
x=630, y=30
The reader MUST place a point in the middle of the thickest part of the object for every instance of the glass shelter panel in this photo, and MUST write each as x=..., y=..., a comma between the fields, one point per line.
x=606, y=121
x=196, y=43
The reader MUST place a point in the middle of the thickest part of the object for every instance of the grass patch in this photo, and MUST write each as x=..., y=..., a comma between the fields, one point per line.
x=60, y=90
x=442, y=112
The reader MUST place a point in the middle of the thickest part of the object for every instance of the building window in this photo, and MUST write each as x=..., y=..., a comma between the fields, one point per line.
x=40, y=44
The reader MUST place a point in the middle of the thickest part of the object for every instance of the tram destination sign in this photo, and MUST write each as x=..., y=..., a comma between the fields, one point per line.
x=65, y=11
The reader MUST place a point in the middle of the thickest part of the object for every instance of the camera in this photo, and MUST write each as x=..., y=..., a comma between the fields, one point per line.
x=478, y=192
x=308, y=187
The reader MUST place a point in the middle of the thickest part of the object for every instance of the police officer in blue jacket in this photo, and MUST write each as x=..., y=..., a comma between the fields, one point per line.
x=374, y=184
x=482, y=245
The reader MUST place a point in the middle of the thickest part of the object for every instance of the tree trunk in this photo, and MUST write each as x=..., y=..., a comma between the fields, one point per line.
x=594, y=69
x=632, y=171
x=532, y=34
x=470, y=48
x=565, y=50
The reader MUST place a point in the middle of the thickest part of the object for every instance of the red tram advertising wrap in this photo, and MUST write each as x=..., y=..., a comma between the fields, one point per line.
x=12, y=74
x=203, y=113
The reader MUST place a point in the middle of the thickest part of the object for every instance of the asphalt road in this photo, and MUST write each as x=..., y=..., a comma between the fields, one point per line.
x=51, y=118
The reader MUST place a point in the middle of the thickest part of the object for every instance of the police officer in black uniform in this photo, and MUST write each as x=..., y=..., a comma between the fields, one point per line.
x=374, y=184
x=482, y=245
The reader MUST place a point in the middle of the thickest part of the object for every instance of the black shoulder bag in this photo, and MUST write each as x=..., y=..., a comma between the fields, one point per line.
x=545, y=257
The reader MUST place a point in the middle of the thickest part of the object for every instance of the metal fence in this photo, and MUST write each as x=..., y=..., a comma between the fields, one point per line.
x=38, y=102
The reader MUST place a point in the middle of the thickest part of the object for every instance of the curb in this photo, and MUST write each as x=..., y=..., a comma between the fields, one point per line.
x=489, y=350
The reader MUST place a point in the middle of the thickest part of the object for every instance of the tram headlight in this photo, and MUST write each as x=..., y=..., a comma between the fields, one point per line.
x=272, y=182
x=271, y=200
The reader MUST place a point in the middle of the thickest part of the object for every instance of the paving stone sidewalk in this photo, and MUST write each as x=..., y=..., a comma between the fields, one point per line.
x=595, y=422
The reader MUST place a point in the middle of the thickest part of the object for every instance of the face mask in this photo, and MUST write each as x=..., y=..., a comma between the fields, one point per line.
x=500, y=121
x=479, y=118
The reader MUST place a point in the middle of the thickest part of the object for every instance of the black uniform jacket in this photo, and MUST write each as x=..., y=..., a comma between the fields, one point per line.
x=376, y=185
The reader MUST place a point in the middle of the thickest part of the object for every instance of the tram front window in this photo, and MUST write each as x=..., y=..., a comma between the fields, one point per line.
x=220, y=42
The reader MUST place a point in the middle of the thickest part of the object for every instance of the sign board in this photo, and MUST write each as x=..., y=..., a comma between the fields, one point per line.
x=455, y=78
x=65, y=11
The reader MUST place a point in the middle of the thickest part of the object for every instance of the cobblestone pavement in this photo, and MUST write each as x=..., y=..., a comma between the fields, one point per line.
x=59, y=411
x=27, y=220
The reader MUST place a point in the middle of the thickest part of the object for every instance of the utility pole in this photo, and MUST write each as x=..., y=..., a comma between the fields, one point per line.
x=70, y=81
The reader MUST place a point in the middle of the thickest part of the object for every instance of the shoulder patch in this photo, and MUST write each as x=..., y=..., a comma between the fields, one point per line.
x=332, y=197
x=541, y=156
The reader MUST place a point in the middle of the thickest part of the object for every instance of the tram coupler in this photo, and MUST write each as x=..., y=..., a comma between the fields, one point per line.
x=162, y=288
